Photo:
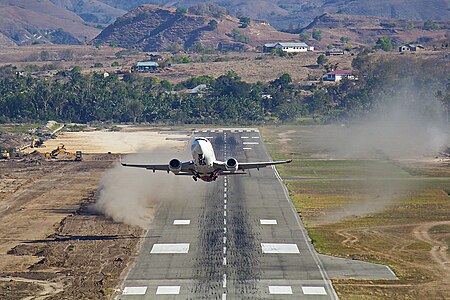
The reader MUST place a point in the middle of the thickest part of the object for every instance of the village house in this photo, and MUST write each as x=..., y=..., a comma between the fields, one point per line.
x=335, y=52
x=289, y=47
x=145, y=66
x=338, y=75
x=411, y=48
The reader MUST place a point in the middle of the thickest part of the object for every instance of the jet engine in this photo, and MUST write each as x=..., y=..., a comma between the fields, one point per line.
x=175, y=166
x=232, y=165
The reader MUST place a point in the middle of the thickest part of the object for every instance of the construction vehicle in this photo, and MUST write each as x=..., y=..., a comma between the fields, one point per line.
x=37, y=142
x=61, y=153
x=4, y=154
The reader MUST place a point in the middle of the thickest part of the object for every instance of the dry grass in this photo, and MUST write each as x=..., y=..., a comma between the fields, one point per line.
x=410, y=234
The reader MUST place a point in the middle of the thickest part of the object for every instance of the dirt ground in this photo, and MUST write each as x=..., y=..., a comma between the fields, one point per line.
x=52, y=245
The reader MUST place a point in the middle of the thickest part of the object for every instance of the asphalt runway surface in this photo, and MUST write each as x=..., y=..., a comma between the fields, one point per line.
x=237, y=238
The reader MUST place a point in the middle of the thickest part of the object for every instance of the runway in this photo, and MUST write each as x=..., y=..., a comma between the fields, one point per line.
x=237, y=238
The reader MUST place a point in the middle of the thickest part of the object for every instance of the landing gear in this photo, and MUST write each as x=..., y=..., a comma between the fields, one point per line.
x=194, y=177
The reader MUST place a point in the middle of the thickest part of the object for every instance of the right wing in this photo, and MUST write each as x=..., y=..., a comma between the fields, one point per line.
x=186, y=167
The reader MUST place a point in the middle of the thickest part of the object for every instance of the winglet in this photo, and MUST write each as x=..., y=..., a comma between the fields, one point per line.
x=289, y=161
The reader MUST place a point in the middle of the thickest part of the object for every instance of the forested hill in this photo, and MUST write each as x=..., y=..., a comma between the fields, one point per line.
x=74, y=97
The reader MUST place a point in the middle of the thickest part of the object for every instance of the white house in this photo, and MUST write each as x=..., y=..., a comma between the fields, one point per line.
x=288, y=47
x=338, y=75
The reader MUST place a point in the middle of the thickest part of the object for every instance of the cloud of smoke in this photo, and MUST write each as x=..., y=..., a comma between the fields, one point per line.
x=133, y=195
x=403, y=127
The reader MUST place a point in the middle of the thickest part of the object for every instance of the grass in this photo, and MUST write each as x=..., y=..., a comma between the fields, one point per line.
x=18, y=128
x=367, y=230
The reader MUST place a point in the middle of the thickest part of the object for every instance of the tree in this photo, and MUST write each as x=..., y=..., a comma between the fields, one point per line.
x=212, y=24
x=384, y=43
x=322, y=60
x=317, y=34
x=245, y=22
x=304, y=36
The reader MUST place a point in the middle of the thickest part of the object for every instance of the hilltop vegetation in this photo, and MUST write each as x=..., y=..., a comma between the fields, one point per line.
x=75, y=97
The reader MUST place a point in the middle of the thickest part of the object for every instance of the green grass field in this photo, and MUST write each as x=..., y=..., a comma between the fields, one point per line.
x=372, y=209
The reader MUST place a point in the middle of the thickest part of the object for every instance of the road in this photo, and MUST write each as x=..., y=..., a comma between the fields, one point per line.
x=237, y=238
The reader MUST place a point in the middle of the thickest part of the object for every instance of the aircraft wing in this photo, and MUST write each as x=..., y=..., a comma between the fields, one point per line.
x=257, y=165
x=185, y=166
x=252, y=165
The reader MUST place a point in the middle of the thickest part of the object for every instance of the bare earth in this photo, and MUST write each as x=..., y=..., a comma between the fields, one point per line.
x=52, y=245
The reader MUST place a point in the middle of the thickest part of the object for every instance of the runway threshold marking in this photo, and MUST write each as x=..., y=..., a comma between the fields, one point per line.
x=250, y=143
x=268, y=222
x=170, y=248
x=246, y=148
x=279, y=248
x=134, y=290
x=280, y=289
x=168, y=290
x=181, y=222
x=314, y=290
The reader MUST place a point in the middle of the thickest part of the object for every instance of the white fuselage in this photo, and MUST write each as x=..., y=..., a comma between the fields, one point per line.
x=203, y=155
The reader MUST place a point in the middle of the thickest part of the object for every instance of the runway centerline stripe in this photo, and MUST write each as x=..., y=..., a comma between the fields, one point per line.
x=314, y=290
x=174, y=248
x=168, y=290
x=279, y=248
x=268, y=222
x=134, y=290
x=280, y=289
x=181, y=222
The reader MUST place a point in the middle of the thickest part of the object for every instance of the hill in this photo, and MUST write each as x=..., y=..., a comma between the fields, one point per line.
x=364, y=30
x=156, y=28
x=53, y=21
x=284, y=14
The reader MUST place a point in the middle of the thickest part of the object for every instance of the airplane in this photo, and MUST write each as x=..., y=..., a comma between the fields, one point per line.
x=204, y=165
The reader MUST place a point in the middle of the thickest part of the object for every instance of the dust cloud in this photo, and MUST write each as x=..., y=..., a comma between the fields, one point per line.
x=400, y=129
x=133, y=195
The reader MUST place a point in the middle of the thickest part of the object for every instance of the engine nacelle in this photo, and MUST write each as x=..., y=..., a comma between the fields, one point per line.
x=232, y=165
x=175, y=166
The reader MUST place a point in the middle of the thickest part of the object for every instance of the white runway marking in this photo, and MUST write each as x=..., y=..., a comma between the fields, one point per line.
x=244, y=137
x=279, y=248
x=225, y=206
x=168, y=290
x=170, y=248
x=224, y=213
x=255, y=137
x=224, y=239
x=224, y=221
x=250, y=143
x=224, y=296
x=280, y=289
x=224, y=281
x=224, y=189
x=134, y=290
x=224, y=230
x=268, y=222
x=181, y=222
x=246, y=148
x=314, y=290
x=224, y=262
x=224, y=249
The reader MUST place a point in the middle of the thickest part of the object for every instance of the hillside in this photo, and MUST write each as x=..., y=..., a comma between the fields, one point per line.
x=53, y=21
x=284, y=14
x=364, y=30
x=155, y=28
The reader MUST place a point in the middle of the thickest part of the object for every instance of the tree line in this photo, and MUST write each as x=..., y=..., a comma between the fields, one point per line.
x=76, y=97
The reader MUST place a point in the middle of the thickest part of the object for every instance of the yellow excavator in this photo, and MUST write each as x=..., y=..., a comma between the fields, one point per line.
x=4, y=154
x=61, y=153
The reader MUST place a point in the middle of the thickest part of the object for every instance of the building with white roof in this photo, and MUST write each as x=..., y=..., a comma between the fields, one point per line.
x=289, y=47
